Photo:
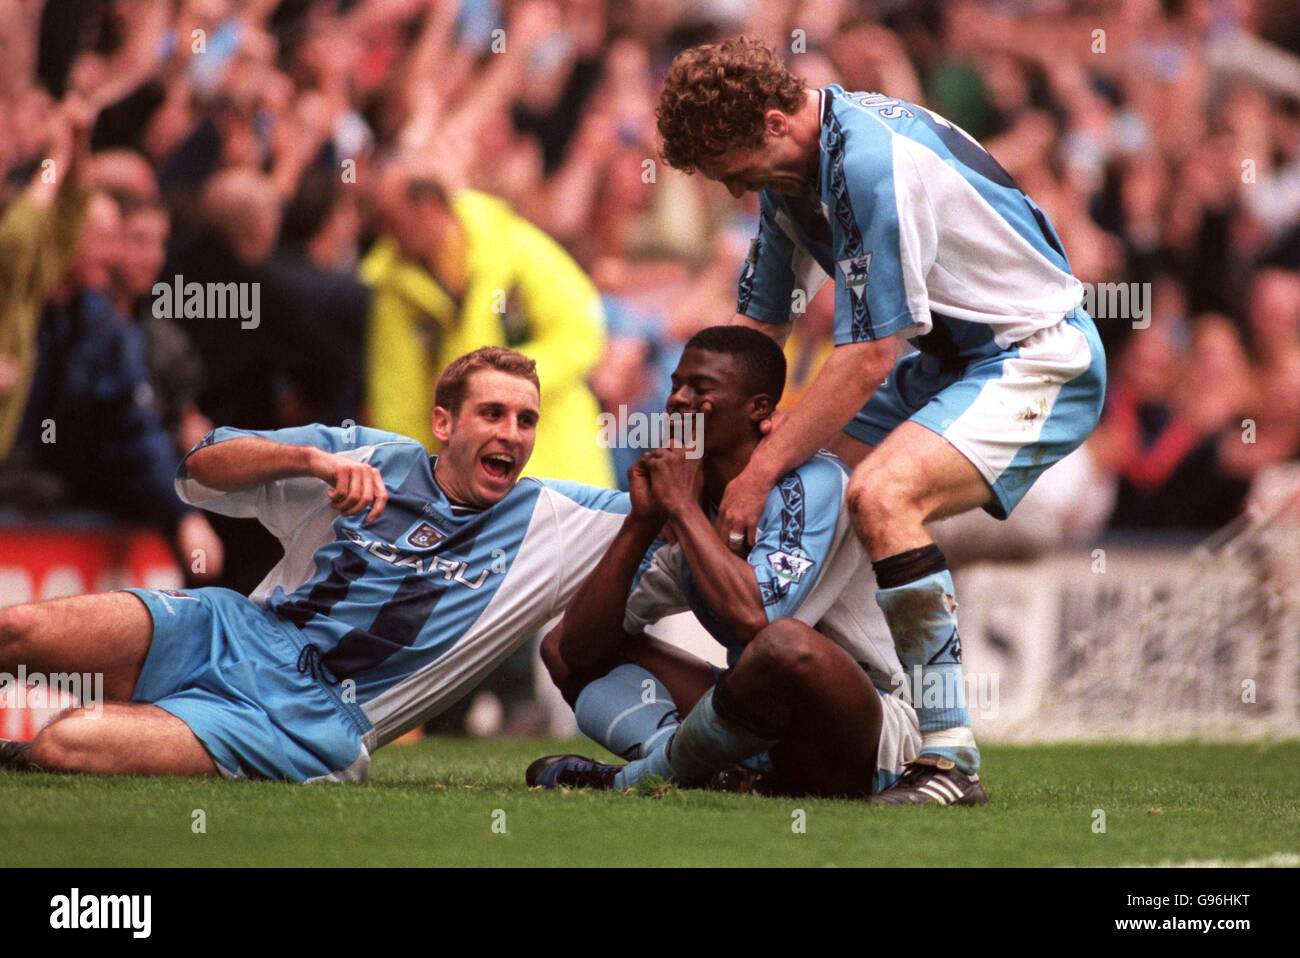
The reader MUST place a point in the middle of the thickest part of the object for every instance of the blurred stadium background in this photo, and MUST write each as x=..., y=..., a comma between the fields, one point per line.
x=1145, y=589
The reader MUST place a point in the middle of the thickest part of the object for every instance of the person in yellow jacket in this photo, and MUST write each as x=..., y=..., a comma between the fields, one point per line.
x=455, y=271
x=39, y=231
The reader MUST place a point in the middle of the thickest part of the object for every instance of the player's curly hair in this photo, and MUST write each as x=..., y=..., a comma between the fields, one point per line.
x=453, y=384
x=715, y=96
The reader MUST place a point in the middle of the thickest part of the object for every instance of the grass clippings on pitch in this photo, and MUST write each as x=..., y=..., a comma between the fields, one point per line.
x=448, y=802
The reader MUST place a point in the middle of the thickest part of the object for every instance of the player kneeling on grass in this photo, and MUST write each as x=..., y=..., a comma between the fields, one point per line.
x=808, y=696
x=406, y=579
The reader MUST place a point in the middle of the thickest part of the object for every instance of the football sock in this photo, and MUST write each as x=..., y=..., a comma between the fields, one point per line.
x=915, y=591
x=702, y=744
x=627, y=710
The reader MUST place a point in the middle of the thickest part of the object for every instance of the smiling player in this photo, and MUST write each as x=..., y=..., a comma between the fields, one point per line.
x=406, y=579
x=811, y=660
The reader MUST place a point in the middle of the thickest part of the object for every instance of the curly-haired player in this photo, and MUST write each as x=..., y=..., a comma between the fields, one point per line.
x=930, y=240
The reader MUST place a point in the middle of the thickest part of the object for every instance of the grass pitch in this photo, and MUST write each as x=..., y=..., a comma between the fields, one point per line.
x=448, y=802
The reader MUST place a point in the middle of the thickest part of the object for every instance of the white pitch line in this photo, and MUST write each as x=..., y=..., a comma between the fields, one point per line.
x=1274, y=860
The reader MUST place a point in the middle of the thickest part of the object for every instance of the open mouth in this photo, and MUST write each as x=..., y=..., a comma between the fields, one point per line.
x=498, y=465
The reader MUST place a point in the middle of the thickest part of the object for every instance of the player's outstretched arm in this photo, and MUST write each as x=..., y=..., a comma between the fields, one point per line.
x=592, y=628
x=249, y=461
x=846, y=381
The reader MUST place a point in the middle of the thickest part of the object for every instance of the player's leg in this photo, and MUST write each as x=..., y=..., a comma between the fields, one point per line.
x=914, y=476
x=909, y=473
x=120, y=739
x=794, y=683
x=108, y=634
x=910, y=478
x=790, y=686
x=981, y=439
x=630, y=700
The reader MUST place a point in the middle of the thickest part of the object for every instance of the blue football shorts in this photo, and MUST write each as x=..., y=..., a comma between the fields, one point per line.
x=1012, y=414
x=228, y=669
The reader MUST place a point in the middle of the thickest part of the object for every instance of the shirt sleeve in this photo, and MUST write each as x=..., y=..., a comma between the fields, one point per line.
x=586, y=519
x=284, y=504
x=884, y=235
x=796, y=535
x=658, y=592
x=767, y=278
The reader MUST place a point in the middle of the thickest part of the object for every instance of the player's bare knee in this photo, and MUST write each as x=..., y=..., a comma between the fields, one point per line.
x=65, y=743
x=549, y=650
x=18, y=624
x=869, y=500
x=785, y=651
x=879, y=503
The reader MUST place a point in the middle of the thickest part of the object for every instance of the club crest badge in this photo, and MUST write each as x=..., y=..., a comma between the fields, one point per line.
x=424, y=536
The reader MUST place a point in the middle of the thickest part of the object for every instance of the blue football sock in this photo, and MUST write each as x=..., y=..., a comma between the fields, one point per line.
x=916, y=594
x=703, y=743
x=627, y=710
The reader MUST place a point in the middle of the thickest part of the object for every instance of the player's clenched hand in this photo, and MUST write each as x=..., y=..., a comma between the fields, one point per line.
x=353, y=486
x=676, y=479
x=644, y=505
x=742, y=505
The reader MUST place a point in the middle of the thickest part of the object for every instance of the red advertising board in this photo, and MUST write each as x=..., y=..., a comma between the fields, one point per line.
x=39, y=563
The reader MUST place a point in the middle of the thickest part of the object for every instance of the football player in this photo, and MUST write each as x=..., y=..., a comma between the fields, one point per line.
x=406, y=579
x=808, y=697
x=929, y=240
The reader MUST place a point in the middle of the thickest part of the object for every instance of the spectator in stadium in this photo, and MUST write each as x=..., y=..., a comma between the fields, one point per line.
x=451, y=565
x=88, y=417
x=239, y=225
x=284, y=366
x=461, y=269
x=809, y=346
x=316, y=265
x=811, y=672
x=175, y=369
x=126, y=174
x=38, y=235
x=1253, y=445
x=1169, y=417
x=1273, y=313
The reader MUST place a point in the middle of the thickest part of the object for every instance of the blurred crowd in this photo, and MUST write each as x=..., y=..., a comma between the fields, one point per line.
x=272, y=212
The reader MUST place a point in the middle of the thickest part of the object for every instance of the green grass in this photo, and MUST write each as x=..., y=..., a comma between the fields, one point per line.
x=434, y=804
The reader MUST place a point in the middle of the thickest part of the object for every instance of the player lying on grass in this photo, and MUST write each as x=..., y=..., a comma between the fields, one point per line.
x=928, y=239
x=811, y=658
x=406, y=579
